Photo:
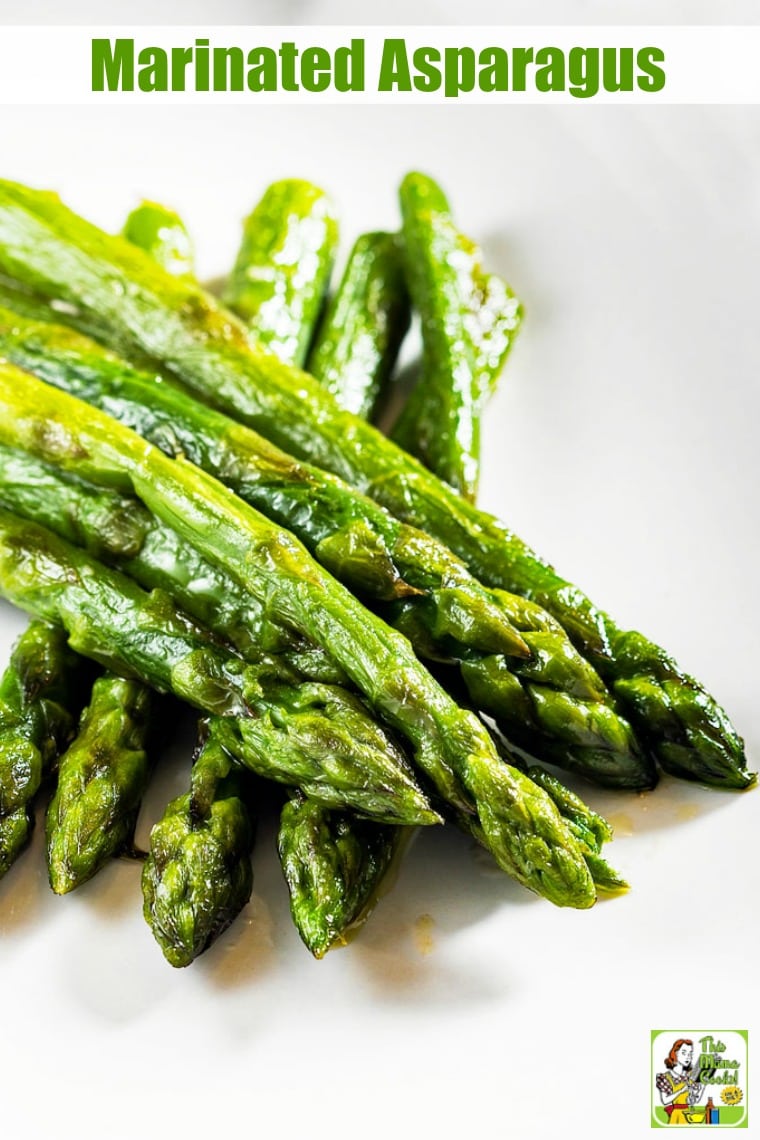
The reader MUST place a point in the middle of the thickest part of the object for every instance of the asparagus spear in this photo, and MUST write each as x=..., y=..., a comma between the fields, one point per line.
x=197, y=876
x=333, y=862
x=183, y=917
x=111, y=620
x=101, y=781
x=282, y=271
x=354, y=353
x=334, y=866
x=74, y=511
x=38, y=704
x=53, y=252
x=551, y=704
x=469, y=322
x=27, y=306
x=163, y=235
x=365, y=322
x=446, y=615
x=590, y=829
x=120, y=531
x=129, y=631
x=348, y=533
x=505, y=812
x=266, y=560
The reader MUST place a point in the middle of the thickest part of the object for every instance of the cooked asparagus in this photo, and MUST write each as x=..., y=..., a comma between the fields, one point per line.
x=197, y=876
x=447, y=613
x=102, y=777
x=280, y=278
x=469, y=322
x=118, y=530
x=39, y=702
x=353, y=537
x=51, y=251
x=334, y=865
x=111, y=620
x=504, y=810
x=365, y=322
x=162, y=234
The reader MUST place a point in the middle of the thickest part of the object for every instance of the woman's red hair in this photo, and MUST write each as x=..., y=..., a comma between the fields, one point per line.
x=672, y=1057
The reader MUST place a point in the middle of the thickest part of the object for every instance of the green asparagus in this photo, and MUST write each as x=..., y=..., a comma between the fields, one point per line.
x=551, y=704
x=469, y=322
x=334, y=866
x=590, y=829
x=197, y=876
x=521, y=827
x=282, y=271
x=27, y=306
x=184, y=915
x=446, y=614
x=38, y=707
x=121, y=532
x=321, y=714
x=141, y=309
x=348, y=533
x=364, y=324
x=101, y=781
x=162, y=234
x=192, y=895
x=266, y=560
x=111, y=620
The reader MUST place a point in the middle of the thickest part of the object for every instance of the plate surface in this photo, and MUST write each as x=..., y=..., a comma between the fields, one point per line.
x=623, y=445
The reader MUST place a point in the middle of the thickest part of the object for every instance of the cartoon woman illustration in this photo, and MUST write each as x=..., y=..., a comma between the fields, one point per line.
x=678, y=1089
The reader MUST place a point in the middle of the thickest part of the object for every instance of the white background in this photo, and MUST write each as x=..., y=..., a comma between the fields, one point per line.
x=623, y=445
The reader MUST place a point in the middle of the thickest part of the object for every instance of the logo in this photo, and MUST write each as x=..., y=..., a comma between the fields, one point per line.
x=699, y=1078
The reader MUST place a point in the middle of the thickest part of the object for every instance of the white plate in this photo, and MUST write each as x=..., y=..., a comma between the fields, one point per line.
x=623, y=445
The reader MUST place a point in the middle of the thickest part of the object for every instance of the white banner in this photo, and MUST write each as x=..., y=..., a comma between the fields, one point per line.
x=421, y=65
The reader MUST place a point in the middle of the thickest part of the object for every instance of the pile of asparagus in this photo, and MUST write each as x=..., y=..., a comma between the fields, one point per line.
x=195, y=506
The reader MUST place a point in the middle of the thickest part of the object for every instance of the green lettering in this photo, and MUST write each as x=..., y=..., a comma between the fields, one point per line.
x=229, y=64
x=494, y=69
x=154, y=70
x=429, y=77
x=459, y=70
x=288, y=56
x=617, y=69
x=181, y=57
x=262, y=69
x=394, y=67
x=315, y=69
x=550, y=69
x=349, y=67
x=652, y=77
x=521, y=57
x=202, y=69
x=113, y=65
x=583, y=72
